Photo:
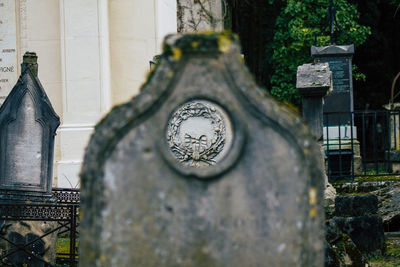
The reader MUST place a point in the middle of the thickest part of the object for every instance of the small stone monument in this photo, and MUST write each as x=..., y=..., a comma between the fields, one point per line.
x=339, y=58
x=314, y=82
x=340, y=134
x=202, y=169
x=28, y=125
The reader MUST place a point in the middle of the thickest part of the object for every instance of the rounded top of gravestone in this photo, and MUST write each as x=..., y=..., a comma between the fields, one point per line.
x=207, y=42
x=202, y=168
x=332, y=50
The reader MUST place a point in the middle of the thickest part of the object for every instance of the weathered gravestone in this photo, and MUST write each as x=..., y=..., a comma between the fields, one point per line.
x=339, y=58
x=28, y=125
x=314, y=82
x=202, y=169
x=340, y=134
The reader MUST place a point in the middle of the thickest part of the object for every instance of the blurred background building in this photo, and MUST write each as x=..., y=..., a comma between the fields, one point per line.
x=93, y=54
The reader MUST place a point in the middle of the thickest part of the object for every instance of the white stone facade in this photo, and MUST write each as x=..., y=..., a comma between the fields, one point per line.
x=93, y=54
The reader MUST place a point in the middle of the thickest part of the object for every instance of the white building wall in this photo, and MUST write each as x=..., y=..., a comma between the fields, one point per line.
x=137, y=28
x=166, y=21
x=92, y=54
x=8, y=47
x=38, y=30
x=85, y=81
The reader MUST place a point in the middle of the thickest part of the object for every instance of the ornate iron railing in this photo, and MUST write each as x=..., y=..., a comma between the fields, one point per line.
x=65, y=212
x=362, y=143
x=67, y=195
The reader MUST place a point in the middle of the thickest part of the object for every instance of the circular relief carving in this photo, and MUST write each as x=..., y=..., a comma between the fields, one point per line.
x=199, y=134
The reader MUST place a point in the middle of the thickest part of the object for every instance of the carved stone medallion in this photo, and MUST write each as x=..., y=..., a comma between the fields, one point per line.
x=199, y=133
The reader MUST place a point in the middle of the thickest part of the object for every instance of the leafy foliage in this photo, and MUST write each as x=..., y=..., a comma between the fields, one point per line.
x=296, y=27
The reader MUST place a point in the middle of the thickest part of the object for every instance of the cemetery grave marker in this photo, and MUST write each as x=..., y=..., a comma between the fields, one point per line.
x=339, y=58
x=202, y=169
x=340, y=133
x=28, y=126
x=314, y=82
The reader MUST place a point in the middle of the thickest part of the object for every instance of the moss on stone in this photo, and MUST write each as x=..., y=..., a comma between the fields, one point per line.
x=376, y=178
x=210, y=42
x=392, y=257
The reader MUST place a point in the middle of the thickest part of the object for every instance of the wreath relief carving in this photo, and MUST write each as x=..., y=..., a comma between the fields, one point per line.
x=196, y=133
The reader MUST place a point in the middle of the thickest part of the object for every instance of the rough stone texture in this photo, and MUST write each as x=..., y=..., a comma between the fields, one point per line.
x=363, y=187
x=340, y=250
x=388, y=208
x=344, y=253
x=259, y=205
x=365, y=231
x=314, y=79
x=314, y=82
x=22, y=232
x=28, y=125
x=329, y=200
x=361, y=205
x=357, y=217
x=332, y=259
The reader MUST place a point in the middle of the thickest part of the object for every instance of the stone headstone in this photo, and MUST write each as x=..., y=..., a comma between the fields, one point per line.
x=314, y=82
x=357, y=217
x=339, y=58
x=339, y=133
x=28, y=125
x=361, y=205
x=365, y=231
x=202, y=169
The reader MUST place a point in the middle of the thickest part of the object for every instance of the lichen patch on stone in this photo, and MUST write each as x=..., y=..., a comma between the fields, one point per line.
x=224, y=43
x=176, y=53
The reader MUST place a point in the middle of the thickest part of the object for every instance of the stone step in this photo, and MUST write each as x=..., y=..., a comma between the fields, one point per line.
x=392, y=234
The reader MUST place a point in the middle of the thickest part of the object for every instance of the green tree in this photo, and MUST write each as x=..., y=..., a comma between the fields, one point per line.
x=296, y=27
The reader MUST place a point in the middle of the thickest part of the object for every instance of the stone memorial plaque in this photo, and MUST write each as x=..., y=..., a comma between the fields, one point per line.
x=341, y=70
x=28, y=125
x=8, y=48
x=341, y=98
x=202, y=169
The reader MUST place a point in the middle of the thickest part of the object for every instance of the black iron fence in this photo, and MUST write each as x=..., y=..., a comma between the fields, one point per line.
x=28, y=250
x=362, y=143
